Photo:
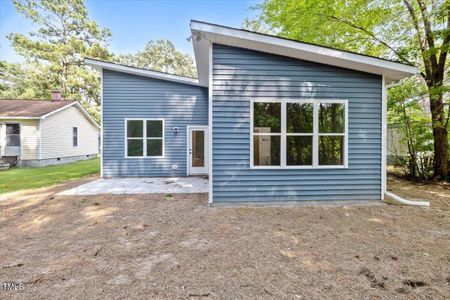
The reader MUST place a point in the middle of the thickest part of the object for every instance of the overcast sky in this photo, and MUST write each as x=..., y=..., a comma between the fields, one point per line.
x=134, y=22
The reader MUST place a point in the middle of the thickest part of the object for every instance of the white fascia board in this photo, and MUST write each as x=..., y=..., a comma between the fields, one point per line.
x=87, y=115
x=279, y=46
x=57, y=110
x=79, y=106
x=96, y=64
x=19, y=118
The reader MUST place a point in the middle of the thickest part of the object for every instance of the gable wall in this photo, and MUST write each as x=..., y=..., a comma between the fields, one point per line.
x=240, y=75
x=132, y=96
x=56, y=135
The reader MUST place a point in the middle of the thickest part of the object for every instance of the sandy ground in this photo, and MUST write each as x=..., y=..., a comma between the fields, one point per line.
x=174, y=246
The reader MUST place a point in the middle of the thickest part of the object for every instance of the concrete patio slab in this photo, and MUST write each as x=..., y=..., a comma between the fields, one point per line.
x=120, y=186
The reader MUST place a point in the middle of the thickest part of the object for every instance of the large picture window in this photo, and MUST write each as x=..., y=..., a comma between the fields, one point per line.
x=299, y=134
x=144, y=138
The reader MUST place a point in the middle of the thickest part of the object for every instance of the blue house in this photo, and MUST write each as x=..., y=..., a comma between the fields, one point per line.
x=268, y=119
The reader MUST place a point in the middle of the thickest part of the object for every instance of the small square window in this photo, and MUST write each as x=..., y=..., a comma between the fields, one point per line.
x=145, y=138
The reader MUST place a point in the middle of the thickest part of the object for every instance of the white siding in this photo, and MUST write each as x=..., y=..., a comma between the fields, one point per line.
x=56, y=135
x=29, y=131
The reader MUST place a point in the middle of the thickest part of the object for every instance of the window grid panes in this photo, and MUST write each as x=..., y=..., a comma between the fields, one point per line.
x=145, y=138
x=303, y=133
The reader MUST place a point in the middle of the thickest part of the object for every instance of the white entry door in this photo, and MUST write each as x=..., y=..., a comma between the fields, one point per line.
x=198, y=150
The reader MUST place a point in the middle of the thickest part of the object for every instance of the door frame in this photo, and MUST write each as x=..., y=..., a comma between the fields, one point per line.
x=189, y=129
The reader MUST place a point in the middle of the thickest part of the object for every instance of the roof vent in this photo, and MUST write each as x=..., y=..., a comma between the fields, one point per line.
x=56, y=95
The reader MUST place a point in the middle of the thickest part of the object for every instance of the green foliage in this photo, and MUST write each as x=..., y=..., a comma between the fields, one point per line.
x=54, y=53
x=161, y=55
x=409, y=31
x=347, y=25
x=29, y=178
x=405, y=104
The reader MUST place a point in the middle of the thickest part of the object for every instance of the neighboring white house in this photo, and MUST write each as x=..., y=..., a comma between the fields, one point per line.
x=46, y=132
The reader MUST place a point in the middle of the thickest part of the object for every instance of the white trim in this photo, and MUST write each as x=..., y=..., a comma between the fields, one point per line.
x=78, y=139
x=144, y=138
x=210, y=124
x=315, y=134
x=58, y=110
x=383, y=136
x=101, y=123
x=2, y=139
x=39, y=136
x=189, y=168
x=98, y=64
x=298, y=50
x=19, y=118
x=79, y=106
x=88, y=115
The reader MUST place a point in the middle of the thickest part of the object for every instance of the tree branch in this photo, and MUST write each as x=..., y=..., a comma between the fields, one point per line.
x=428, y=33
x=445, y=45
x=422, y=45
x=373, y=36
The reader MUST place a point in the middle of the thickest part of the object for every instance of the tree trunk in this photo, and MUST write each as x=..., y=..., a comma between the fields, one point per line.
x=440, y=151
x=440, y=133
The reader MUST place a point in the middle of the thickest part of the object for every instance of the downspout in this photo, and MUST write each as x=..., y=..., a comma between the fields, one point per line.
x=405, y=201
x=393, y=196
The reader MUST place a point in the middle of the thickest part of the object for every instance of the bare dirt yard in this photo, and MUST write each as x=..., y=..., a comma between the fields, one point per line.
x=173, y=246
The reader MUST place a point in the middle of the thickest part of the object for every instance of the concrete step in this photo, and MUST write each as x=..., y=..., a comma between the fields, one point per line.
x=4, y=167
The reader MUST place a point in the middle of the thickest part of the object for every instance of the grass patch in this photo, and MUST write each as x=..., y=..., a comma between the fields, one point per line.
x=28, y=178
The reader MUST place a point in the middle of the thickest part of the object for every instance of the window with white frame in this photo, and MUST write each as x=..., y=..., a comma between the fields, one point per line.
x=298, y=134
x=144, y=137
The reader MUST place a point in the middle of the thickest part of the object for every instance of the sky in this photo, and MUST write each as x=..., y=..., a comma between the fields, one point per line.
x=134, y=22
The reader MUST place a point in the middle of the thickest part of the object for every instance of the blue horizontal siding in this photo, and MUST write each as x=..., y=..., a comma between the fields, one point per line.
x=240, y=75
x=131, y=96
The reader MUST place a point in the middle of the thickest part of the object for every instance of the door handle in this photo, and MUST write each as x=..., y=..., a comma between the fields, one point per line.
x=190, y=151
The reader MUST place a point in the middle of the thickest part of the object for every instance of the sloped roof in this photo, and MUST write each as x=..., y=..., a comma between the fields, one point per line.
x=38, y=109
x=206, y=33
x=113, y=66
x=30, y=108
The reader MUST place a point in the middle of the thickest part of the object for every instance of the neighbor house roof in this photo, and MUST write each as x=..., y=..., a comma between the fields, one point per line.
x=101, y=64
x=205, y=33
x=37, y=109
x=30, y=108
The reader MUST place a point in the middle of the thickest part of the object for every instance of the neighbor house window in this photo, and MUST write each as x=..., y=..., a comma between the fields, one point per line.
x=75, y=136
x=299, y=134
x=144, y=138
